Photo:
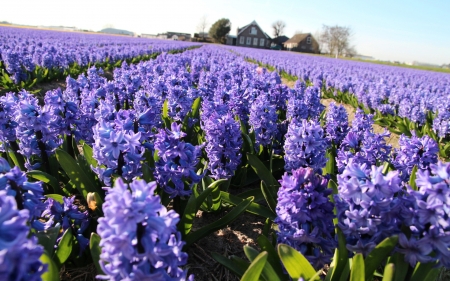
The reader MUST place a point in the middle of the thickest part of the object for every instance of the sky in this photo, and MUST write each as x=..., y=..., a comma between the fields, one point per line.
x=395, y=30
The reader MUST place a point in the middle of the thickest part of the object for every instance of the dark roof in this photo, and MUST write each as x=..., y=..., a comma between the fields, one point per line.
x=297, y=38
x=280, y=39
x=239, y=30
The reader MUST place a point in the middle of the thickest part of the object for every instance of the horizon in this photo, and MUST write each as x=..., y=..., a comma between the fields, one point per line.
x=404, y=31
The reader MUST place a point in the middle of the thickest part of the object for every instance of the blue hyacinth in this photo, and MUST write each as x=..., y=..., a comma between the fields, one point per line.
x=414, y=151
x=305, y=216
x=368, y=206
x=139, y=237
x=19, y=255
x=336, y=126
x=175, y=170
x=305, y=146
x=430, y=223
x=223, y=145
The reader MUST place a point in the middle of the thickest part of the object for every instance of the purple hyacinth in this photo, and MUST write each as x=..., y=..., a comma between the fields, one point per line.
x=305, y=146
x=304, y=102
x=118, y=148
x=430, y=225
x=305, y=216
x=223, y=145
x=139, y=237
x=362, y=145
x=175, y=170
x=19, y=255
x=29, y=195
x=263, y=119
x=415, y=151
x=336, y=126
x=368, y=206
x=68, y=216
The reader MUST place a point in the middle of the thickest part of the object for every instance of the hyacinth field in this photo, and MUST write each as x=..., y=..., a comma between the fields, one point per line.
x=111, y=173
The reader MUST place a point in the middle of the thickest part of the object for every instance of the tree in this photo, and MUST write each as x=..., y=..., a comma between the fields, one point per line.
x=278, y=28
x=336, y=39
x=219, y=30
x=201, y=27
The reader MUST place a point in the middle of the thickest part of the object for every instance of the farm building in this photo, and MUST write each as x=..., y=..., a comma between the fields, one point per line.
x=303, y=42
x=252, y=36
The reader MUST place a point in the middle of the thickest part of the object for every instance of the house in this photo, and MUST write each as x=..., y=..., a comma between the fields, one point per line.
x=231, y=39
x=303, y=42
x=178, y=36
x=277, y=42
x=252, y=36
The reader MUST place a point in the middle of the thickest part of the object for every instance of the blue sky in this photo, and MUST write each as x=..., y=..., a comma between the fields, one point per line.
x=388, y=30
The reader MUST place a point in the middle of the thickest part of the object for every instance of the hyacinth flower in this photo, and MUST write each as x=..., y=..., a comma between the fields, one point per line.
x=68, y=216
x=362, y=145
x=223, y=145
x=117, y=149
x=415, y=151
x=305, y=146
x=38, y=130
x=305, y=216
x=175, y=170
x=336, y=125
x=430, y=223
x=7, y=123
x=304, y=102
x=263, y=119
x=19, y=255
x=139, y=237
x=29, y=195
x=368, y=206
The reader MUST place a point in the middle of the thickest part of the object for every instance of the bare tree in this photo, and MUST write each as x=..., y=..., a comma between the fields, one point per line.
x=201, y=27
x=318, y=37
x=336, y=39
x=278, y=28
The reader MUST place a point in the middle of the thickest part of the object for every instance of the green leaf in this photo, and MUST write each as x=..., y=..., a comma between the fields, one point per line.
x=56, y=197
x=94, y=246
x=233, y=266
x=424, y=271
x=192, y=206
x=165, y=114
x=268, y=272
x=256, y=267
x=273, y=258
x=47, y=238
x=228, y=218
x=340, y=259
x=76, y=174
x=64, y=247
x=253, y=208
x=46, y=178
x=17, y=159
x=295, y=263
x=357, y=272
x=401, y=266
x=262, y=171
x=88, y=153
x=271, y=201
x=52, y=273
x=388, y=274
x=412, y=179
x=375, y=258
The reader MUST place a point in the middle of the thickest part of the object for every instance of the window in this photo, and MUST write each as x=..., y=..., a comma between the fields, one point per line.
x=241, y=40
x=249, y=41
x=253, y=31
x=308, y=40
x=261, y=42
x=255, y=41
